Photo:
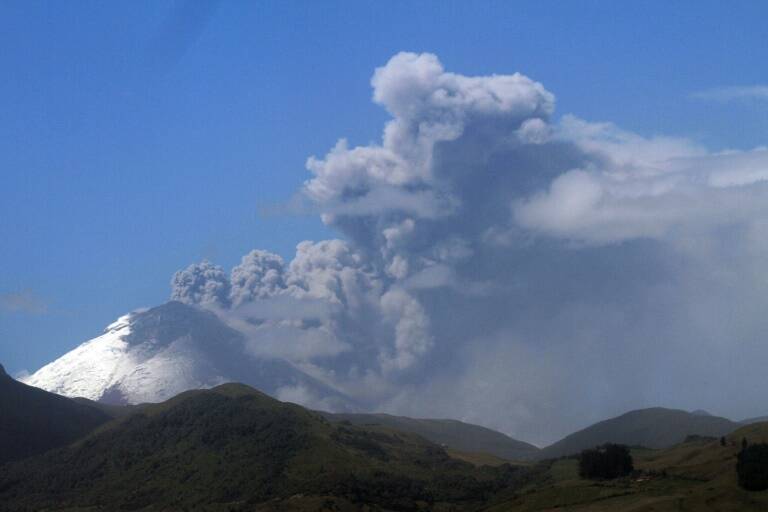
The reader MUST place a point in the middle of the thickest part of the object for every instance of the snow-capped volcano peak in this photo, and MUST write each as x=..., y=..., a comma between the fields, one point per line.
x=151, y=355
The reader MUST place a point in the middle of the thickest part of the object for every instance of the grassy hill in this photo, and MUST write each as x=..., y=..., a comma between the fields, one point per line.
x=699, y=475
x=652, y=428
x=33, y=421
x=453, y=434
x=233, y=448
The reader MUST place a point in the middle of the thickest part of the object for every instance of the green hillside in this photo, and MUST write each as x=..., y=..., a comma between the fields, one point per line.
x=233, y=448
x=33, y=421
x=699, y=475
x=453, y=434
x=656, y=427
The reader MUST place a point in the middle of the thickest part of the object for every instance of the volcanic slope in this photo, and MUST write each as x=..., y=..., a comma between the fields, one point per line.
x=155, y=354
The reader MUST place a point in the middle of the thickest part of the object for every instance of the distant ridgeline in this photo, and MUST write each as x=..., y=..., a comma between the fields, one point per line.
x=656, y=427
x=451, y=433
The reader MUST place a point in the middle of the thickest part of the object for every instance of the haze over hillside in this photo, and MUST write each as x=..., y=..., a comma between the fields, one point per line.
x=652, y=428
x=152, y=355
x=451, y=433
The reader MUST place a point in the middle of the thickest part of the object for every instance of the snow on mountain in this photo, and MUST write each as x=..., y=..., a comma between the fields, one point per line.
x=90, y=368
x=152, y=355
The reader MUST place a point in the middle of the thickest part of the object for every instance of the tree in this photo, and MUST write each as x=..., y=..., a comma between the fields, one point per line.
x=605, y=462
x=744, y=443
x=752, y=467
x=722, y=441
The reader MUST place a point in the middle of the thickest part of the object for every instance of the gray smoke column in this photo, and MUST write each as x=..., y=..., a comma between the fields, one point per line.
x=507, y=268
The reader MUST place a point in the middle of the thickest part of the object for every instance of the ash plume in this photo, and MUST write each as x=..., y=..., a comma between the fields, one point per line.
x=513, y=269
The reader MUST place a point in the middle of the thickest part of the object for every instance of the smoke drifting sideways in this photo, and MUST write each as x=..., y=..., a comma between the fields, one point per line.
x=503, y=267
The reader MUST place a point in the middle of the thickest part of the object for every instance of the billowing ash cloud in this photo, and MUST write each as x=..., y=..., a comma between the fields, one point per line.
x=509, y=269
x=259, y=275
x=202, y=283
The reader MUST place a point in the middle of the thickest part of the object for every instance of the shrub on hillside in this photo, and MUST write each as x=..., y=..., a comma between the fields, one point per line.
x=752, y=467
x=605, y=462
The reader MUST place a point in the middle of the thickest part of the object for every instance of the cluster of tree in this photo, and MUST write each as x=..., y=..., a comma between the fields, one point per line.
x=752, y=467
x=605, y=462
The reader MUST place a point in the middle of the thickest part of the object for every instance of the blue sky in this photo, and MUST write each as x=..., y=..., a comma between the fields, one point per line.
x=139, y=137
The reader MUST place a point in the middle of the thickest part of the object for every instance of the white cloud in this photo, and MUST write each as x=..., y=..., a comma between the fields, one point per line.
x=637, y=187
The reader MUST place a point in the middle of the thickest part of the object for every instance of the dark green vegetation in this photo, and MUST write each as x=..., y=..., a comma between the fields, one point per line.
x=752, y=467
x=233, y=448
x=605, y=462
x=652, y=428
x=33, y=421
x=456, y=435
